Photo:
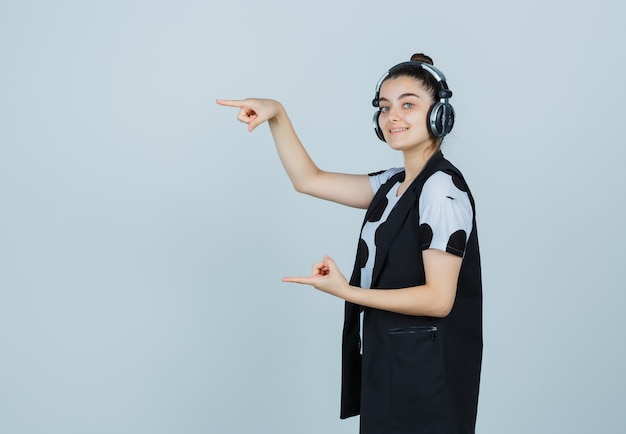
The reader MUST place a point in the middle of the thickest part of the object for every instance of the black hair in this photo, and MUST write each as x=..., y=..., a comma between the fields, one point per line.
x=428, y=81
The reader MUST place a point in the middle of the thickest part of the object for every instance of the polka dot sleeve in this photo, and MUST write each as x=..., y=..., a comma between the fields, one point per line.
x=445, y=214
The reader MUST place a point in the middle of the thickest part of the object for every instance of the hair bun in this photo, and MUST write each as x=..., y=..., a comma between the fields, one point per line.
x=421, y=57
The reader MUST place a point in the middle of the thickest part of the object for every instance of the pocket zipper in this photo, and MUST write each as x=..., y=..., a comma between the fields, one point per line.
x=417, y=329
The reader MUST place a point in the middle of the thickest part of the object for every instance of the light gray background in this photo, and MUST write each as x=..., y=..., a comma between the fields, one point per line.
x=144, y=231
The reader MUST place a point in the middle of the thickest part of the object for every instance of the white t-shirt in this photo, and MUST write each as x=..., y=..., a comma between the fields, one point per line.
x=445, y=217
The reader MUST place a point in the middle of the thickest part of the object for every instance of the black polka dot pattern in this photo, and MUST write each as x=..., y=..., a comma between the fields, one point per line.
x=458, y=182
x=377, y=235
x=363, y=253
x=456, y=243
x=378, y=211
x=426, y=235
x=383, y=203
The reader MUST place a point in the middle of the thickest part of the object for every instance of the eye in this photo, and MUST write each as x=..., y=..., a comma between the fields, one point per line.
x=383, y=109
x=408, y=105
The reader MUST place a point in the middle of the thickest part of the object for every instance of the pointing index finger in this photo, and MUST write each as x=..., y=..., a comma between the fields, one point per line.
x=297, y=279
x=230, y=102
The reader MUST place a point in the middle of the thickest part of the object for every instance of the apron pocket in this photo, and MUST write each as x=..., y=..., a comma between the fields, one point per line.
x=416, y=375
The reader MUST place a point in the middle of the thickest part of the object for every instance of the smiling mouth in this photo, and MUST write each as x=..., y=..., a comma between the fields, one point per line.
x=397, y=130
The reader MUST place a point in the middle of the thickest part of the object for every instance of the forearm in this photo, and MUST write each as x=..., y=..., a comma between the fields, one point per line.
x=295, y=159
x=420, y=300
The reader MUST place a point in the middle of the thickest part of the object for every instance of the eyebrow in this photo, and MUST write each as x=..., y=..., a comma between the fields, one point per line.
x=404, y=95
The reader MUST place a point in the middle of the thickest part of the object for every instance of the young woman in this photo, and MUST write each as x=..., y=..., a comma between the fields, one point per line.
x=416, y=276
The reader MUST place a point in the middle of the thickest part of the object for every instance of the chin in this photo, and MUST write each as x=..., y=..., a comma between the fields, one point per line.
x=395, y=146
x=400, y=143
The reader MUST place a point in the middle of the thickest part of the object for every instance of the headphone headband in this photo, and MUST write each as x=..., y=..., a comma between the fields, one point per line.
x=436, y=73
x=443, y=93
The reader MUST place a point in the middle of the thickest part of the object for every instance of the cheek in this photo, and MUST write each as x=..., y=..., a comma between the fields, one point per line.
x=418, y=117
x=383, y=118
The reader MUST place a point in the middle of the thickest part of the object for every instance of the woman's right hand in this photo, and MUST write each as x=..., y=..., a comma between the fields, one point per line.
x=253, y=111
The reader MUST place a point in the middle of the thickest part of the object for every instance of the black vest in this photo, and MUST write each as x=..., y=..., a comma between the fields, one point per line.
x=416, y=374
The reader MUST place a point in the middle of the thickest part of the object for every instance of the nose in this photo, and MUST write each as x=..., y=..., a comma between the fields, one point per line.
x=393, y=114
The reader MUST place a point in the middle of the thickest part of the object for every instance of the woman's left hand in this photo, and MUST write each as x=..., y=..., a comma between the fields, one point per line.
x=326, y=277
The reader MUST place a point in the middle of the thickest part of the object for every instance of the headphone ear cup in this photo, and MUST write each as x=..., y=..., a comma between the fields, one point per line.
x=377, y=130
x=448, y=118
x=441, y=119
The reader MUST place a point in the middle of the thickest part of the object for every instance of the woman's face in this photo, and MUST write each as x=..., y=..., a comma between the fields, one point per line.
x=404, y=105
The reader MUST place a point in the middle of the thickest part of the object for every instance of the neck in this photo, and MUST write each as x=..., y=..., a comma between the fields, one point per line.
x=414, y=162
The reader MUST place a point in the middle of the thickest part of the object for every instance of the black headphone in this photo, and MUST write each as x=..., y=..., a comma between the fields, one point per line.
x=440, y=116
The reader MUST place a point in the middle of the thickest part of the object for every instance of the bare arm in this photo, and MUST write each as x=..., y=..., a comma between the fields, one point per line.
x=435, y=298
x=306, y=177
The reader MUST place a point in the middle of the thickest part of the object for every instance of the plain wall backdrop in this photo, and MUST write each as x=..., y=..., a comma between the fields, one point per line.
x=144, y=231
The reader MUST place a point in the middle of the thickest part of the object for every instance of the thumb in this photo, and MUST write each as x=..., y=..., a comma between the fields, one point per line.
x=330, y=262
x=253, y=123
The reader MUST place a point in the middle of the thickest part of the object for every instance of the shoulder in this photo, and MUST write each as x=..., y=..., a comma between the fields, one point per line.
x=379, y=178
x=440, y=183
x=447, y=192
x=446, y=179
